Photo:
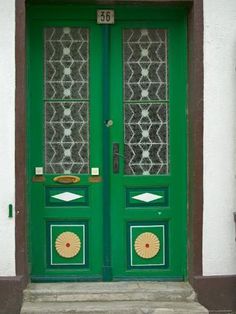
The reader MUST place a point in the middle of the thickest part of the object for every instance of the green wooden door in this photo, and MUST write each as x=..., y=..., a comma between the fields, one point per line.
x=107, y=144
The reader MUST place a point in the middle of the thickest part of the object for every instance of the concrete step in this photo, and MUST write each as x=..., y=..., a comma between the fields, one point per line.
x=115, y=307
x=118, y=291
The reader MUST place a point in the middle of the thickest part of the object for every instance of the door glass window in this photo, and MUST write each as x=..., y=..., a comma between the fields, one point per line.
x=146, y=101
x=66, y=92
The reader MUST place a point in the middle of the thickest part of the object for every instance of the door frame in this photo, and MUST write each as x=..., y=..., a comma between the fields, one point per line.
x=195, y=136
x=174, y=219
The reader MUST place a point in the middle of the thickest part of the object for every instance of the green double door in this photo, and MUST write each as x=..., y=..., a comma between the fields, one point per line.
x=106, y=144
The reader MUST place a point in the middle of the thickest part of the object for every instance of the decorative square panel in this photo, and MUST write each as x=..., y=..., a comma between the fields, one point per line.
x=66, y=137
x=148, y=245
x=66, y=63
x=67, y=244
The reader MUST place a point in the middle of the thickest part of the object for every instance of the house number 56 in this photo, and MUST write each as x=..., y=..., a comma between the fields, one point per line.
x=105, y=16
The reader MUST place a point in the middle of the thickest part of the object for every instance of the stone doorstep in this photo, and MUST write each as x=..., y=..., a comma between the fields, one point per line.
x=111, y=298
x=127, y=307
x=120, y=291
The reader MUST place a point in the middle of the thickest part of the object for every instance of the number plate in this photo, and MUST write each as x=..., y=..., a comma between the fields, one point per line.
x=105, y=17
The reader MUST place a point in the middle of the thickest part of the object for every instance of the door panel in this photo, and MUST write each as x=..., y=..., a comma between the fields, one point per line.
x=65, y=219
x=111, y=98
x=149, y=212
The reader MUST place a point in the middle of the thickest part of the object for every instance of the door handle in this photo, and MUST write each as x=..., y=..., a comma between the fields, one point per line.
x=116, y=164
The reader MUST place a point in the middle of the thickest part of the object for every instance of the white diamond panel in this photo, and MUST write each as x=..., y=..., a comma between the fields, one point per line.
x=147, y=197
x=67, y=196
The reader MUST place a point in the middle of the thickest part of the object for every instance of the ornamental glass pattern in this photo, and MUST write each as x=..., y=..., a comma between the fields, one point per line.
x=66, y=92
x=146, y=107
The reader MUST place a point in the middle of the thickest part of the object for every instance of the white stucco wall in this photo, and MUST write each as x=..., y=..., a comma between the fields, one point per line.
x=7, y=129
x=219, y=247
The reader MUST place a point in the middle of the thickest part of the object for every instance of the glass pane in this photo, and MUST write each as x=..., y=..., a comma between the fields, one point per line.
x=146, y=139
x=145, y=114
x=66, y=92
x=145, y=64
x=66, y=138
x=66, y=63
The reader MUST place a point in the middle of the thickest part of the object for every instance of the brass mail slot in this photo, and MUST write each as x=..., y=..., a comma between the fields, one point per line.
x=67, y=179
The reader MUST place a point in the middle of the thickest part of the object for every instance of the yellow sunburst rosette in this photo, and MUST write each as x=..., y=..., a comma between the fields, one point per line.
x=147, y=245
x=68, y=244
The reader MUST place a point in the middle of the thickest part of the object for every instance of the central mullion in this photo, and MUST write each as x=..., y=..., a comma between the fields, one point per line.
x=107, y=270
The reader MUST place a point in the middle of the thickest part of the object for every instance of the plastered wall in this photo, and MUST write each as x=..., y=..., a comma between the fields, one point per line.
x=219, y=246
x=7, y=129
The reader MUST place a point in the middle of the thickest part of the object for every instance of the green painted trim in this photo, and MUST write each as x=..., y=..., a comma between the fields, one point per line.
x=64, y=100
x=149, y=278
x=124, y=12
x=107, y=271
x=66, y=278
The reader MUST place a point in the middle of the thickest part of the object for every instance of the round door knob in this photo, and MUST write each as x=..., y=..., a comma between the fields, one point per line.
x=108, y=123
